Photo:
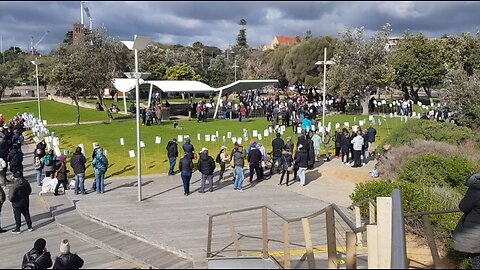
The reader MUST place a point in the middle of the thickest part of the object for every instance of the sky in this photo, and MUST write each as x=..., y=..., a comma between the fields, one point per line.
x=215, y=23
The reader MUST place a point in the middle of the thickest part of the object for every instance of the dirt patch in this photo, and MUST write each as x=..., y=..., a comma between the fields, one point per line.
x=419, y=255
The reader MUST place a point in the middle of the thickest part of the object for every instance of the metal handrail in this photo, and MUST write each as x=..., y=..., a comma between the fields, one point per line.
x=399, y=246
x=362, y=202
x=436, y=212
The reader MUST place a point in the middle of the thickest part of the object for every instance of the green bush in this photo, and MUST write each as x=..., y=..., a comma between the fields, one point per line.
x=430, y=130
x=433, y=170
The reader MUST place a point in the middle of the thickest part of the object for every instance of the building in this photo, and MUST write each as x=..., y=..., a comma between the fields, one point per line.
x=78, y=34
x=281, y=40
x=393, y=42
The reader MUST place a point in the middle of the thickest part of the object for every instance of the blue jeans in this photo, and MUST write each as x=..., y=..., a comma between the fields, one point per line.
x=172, y=165
x=238, y=178
x=80, y=183
x=39, y=177
x=100, y=182
x=186, y=181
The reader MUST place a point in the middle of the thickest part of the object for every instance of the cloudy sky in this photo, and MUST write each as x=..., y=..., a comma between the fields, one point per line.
x=216, y=23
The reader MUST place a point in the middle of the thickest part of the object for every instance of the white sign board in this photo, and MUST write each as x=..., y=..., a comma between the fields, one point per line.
x=142, y=144
x=198, y=137
x=158, y=140
x=229, y=135
x=131, y=153
x=80, y=145
x=265, y=133
x=122, y=141
x=180, y=138
x=207, y=138
x=255, y=133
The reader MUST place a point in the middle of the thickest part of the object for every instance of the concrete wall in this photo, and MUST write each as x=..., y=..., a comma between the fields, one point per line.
x=69, y=101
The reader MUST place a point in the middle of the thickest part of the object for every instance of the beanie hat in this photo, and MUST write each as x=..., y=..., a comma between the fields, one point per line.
x=40, y=244
x=64, y=246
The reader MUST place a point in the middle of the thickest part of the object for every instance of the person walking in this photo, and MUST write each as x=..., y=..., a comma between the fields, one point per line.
x=172, y=152
x=67, y=260
x=326, y=143
x=465, y=235
x=357, y=142
x=238, y=161
x=78, y=162
x=2, y=200
x=185, y=166
x=49, y=163
x=338, y=142
x=222, y=159
x=188, y=148
x=301, y=162
x=100, y=165
x=38, y=257
x=19, y=196
x=61, y=175
x=254, y=158
x=206, y=165
x=286, y=164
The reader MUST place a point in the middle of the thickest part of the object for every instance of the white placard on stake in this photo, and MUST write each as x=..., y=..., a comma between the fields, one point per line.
x=80, y=145
x=360, y=123
x=259, y=137
x=391, y=115
x=390, y=105
x=322, y=129
x=370, y=118
x=56, y=141
x=180, y=138
x=158, y=140
x=217, y=134
x=328, y=129
x=270, y=130
x=131, y=153
x=299, y=130
x=229, y=135
x=384, y=102
x=44, y=122
x=224, y=139
x=355, y=128
x=207, y=138
x=346, y=124
x=265, y=133
x=239, y=141
x=122, y=141
x=214, y=138
x=283, y=128
x=142, y=144
x=234, y=140
x=337, y=125
x=255, y=133
x=66, y=152
x=57, y=151
x=199, y=137
x=36, y=139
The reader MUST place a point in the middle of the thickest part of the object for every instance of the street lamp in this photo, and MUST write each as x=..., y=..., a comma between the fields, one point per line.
x=38, y=88
x=235, y=67
x=324, y=63
x=139, y=43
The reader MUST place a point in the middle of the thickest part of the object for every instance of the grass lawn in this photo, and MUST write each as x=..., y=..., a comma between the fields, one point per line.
x=54, y=112
x=154, y=156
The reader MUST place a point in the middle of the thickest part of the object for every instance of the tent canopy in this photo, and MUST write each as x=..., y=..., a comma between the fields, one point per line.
x=182, y=86
x=244, y=85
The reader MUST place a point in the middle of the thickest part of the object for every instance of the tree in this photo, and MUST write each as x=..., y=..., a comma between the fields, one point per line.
x=276, y=58
x=181, y=72
x=242, y=35
x=308, y=35
x=219, y=72
x=301, y=58
x=7, y=78
x=68, y=39
x=417, y=63
x=463, y=96
x=258, y=67
x=358, y=63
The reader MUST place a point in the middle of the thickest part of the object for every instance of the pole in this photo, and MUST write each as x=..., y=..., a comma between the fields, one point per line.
x=125, y=102
x=38, y=89
x=235, y=69
x=3, y=54
x=81, y=12
x=218, y=104
x=150, y=95
x=324, y=85
x=137, y=100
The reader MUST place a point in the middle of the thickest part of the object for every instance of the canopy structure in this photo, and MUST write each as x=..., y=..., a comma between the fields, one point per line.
x=127, y=84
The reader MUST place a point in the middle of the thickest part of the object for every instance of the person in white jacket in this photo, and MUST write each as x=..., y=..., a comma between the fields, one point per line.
x=357, y=149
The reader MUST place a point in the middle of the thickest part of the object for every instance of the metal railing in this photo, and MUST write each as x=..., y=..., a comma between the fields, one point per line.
x=399, y=248
x=329, y=212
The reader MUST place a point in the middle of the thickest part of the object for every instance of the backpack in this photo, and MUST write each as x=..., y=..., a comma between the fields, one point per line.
x=218, y=159
x=48, y=160
x=31, y=263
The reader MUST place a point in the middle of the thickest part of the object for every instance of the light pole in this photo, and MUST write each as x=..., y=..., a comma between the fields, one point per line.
x=139, y=43
x=235, y=67
x=38, y=87
x=324, y=63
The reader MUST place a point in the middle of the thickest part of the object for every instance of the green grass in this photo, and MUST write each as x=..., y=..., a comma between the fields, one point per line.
x=154, y=158
x=54, y=112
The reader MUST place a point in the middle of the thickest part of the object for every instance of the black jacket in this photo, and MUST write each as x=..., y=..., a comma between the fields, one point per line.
x=4, y=149
x=301, y=161
x=62, y=172
x=68, y=261
x=19, y=193
x=206, y=164
x=2, y=197
x=255, y=156
x=278, y=145
x=15, y=160
x=338, y=139
x=371, y=132
x=188, y=148
x=185, y=165
x=77, y=162
x=345, y=143
x=172, y=149
x=43, y=260
x=42, y=146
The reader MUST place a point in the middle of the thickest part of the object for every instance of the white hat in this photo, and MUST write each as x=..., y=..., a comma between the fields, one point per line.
x=204, y=149
x=64, y=246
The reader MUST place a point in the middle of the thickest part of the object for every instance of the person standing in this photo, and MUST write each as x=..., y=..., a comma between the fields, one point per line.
x=371, y=133
x=19, y=196
x=317, y=142
x=67, y=260
x=96, y=145
x=186, y=170
x=254, y=158
x=277, y=145
x=223, y=158
x=61, y=175
x=301, y=162
x=345, y=145
x=38, y=166
x=263, y=163
x=4, y=150
x=2, y=200
x=286, y=164
x=188, y=148
x=357, y=149
x=326, y=143
x=78, y=162
x=311, y=151
x=338, y=142
x=38, y=257
x=172, y=151
x=15, y=159
x=238, y=160
x=206, y=165
x=49, y=163
x=100, y=165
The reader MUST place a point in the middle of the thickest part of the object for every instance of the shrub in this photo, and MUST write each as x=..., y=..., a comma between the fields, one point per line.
x=434, y=170
x=15, y=94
